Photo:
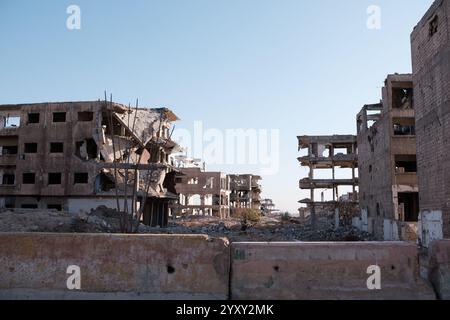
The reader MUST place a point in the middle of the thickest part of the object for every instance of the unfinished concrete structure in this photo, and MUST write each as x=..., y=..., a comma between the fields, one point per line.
x=328, y=152
x=202, y=193
x=268, y=207
x=75, y=156
x=245, y=191
x=430, y=42
x=389, y=198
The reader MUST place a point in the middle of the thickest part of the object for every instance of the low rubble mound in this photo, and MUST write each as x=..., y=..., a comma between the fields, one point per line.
x=105, y=220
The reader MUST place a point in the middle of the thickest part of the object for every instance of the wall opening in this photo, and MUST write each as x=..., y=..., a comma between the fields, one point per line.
x=405, y=164
x=9, y=179
x=29, y=206
x=408, y=203
x=104, y=183
x=56, y=147
x=59, y=117
x=10, y=122
x=434, y=25
x=86, y=149
x=402, y=98
x=33, y=118
x=29, y=178
x=81, y=177
x=9, y=150
x=54, y=178
x=30, y=148
x=57, y=207
x=404, y=126
x=85, y=116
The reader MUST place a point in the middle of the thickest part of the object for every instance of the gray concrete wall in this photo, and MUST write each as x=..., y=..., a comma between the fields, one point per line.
x=34, y=266
x=315, y=271
x=113, y=266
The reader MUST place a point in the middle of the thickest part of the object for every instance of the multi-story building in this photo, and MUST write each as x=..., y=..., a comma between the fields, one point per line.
x=76, y=156
x=245, y=191
x=327, y=153
x=202, y=193
x=430, y=42
x=388, y=187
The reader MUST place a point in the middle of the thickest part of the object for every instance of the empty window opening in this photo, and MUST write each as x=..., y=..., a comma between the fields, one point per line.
x=59, y=117
x=434, y=24
x=404, y=126
x=54, y=178
x=86, y=149
x=9, y=121
x=195, y=200
x=9, y=179
x=193, y=181
x=81, y=177
x=33, y=118
x=30, y=148
x=209, y=183
x=29, y=178
x=341, y=151
x=104, y=183
x=56, y=147
x=57, y=207
x=85, y=116
x=10, y=203
x=29, y=206
x=8, y=150
x=408, y=204
x=405, y=163
x=402, y=98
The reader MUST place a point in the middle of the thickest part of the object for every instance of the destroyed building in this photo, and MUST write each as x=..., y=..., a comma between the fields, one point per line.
x=430, y=42
x=76, y=156
x=200, y=192
x=328, y=153
x=389, y=198
x=268, y=207
x=245, y=192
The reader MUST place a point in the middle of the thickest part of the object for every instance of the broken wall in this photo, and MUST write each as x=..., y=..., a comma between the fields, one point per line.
x=430, y=45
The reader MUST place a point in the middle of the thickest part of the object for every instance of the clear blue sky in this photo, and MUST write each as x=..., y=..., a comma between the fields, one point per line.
x=303, y=67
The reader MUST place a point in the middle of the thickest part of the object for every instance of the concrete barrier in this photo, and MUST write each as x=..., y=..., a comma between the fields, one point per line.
x=291, y=271
x=34, y=266
x=439, y=268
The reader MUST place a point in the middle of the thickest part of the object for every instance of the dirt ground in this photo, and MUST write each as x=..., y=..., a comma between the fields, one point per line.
x=103, y=220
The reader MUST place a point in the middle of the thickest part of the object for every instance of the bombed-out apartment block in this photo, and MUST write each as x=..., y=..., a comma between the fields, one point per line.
x=76, y=156
x=388, y=187
x=328, y=153
x=430, y=43
x=200, y=192
x=245, y=192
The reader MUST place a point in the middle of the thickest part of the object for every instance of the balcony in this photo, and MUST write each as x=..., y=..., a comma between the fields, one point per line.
x=8, y=160
x=406, y=179
x=326, y=183
x=7, y=189
x=10, y=131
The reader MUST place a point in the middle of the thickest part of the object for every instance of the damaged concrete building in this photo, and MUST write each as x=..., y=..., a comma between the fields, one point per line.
x=268, y=207
x=76, y=156
x=245, y=191
x=328, y=153
x=430, y=42
x=389, y=192
x=200, y=192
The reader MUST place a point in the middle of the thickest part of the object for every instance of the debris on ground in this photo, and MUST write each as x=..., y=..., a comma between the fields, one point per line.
x=104, y=220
